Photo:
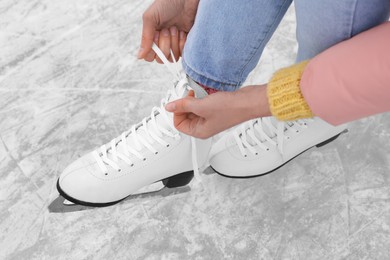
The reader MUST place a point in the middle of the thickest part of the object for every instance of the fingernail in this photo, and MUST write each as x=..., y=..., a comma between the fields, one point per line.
x=165, y=32
x=173, y=31
x=140, y=52
x=170, y=107
x=182, y=35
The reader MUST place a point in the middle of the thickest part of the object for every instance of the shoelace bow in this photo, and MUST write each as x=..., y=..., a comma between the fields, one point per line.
x=263, y=140
x=154, y=132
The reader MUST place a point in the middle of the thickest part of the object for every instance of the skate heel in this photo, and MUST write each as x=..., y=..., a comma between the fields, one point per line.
x=178, y=180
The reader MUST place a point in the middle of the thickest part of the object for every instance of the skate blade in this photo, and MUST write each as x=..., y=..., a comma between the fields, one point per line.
x=154, y=187
x=67, y=202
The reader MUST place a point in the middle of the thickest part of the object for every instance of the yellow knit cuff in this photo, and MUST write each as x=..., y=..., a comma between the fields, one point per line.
x=284, y=94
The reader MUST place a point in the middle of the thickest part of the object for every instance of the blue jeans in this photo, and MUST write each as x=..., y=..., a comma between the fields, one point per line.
x=228, y=37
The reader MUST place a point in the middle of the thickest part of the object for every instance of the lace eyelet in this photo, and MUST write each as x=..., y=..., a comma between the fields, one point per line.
x=144, y=159
x=106, y=173
x=156, y=153
x=256, y=153
x=297, y=131
x=267, y=149
x=119, y=170
x=245, y=155
x=132, y=165
x=167, y=145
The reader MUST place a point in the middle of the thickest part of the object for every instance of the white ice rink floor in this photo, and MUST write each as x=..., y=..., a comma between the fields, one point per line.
x=70, y=81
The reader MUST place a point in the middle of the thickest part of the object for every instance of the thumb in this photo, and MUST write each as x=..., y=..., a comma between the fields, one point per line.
x=184, y=105
x=148, y=30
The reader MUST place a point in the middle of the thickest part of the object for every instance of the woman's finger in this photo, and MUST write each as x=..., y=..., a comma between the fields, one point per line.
x=164, y=43
x=148, y=29
x=174, y=43
x=183, y=123
x=182, y=41
x=184, y=105
x=151, y=55
x=192, y=116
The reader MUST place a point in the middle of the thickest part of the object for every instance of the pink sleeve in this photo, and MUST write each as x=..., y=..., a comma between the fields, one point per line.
x=350, y=80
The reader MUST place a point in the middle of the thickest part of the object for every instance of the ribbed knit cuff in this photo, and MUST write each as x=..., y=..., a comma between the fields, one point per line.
x=284, y=94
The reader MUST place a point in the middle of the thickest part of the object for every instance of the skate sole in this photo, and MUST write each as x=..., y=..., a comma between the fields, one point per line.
x=271, y=171
x=174, y=181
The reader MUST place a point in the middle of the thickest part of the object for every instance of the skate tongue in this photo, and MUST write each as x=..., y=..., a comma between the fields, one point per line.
x=199, y=91
x=267, y=129
x=180, y=90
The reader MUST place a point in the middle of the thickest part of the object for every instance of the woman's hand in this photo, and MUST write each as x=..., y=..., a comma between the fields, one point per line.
x=203, y=118
x=167, y=22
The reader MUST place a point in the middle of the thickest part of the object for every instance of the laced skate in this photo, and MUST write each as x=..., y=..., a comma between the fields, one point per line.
x=148, y=157
x=260, y=146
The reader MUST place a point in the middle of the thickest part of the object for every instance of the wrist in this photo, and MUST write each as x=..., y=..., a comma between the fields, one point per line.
x=253, y=102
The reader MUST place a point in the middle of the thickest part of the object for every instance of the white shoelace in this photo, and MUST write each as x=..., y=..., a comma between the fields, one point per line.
x=247, y=140
x=153, y=131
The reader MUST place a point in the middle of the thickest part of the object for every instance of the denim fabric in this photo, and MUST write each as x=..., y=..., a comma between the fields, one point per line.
x=322, y=24
x=229, y=36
